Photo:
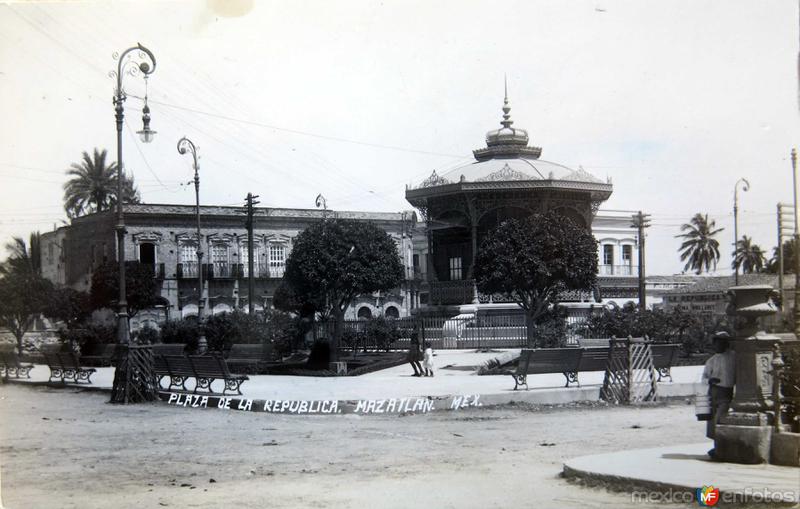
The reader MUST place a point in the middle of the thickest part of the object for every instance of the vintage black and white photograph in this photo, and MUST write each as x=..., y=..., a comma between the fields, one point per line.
x=397, y=253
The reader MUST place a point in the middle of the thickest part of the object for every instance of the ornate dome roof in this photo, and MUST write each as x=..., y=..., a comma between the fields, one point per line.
x=508, y=157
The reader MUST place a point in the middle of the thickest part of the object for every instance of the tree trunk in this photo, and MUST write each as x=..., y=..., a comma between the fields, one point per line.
x=18, y=335
x=338, y=323
x=530, y=329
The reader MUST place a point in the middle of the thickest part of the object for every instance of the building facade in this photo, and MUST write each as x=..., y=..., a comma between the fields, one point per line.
x=458, y=208
x=165, y=237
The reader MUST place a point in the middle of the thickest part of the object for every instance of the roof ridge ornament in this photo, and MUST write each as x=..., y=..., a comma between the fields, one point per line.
x=506, y=122
x=434, y=180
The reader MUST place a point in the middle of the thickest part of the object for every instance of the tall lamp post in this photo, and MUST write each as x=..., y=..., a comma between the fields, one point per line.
x=745, y=187
x=185, y=146
x=796, y=248
x=145, y=63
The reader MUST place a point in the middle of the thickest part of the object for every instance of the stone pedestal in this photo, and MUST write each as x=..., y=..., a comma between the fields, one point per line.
x=742, y=444
x=785, y=449
x=744, y=435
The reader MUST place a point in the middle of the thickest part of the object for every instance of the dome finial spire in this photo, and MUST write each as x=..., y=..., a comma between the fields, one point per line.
x=506, y=108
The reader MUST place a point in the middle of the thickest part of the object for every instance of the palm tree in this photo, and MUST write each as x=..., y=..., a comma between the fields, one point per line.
x=23, y=258
x=773, y=265
x=700, y=250
x=748, y=256
x=93, y=186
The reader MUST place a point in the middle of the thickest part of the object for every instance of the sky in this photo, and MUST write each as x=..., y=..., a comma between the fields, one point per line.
x=674, y=101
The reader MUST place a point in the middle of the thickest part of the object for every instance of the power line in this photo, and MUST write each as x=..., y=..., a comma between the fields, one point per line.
x=302, y=133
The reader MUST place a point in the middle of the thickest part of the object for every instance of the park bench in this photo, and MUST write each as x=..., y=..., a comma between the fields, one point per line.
x=243, y=358
x=66, y=365
x=11, y=366
x=205, y=369
x=664, y=356
x=593, y=342
x=547, y=360
x=99, y=355
x=594, y=359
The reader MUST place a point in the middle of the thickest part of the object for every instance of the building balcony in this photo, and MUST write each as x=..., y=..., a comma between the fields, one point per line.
x=186, y=270
x=617, y=270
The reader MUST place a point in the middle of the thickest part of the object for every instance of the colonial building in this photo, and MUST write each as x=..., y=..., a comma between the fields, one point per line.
x=165, y=237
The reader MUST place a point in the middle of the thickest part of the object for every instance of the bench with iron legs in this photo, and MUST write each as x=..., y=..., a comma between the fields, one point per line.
x=571, y=361
x=205, y=369
x=66, y=366
x=547, y=360
x=11, y=366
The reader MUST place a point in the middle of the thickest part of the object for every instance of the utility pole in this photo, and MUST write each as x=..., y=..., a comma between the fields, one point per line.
x=250, y=201
x=640, y=222
x=785, y=230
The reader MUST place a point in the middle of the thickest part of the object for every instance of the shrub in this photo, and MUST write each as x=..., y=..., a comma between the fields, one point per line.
x=183, y=332
x=692, y=330
x=226, y=329
x=282, y=330
x=89, y=336
x=381, y=332
x=320, y=355
x=146, y=336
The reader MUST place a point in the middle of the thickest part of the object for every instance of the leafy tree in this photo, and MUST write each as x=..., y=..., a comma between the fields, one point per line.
x=22, y=299
x=700, y=250
x=23, y=291
x=748, y=256
x=93, y=186
x=72, y=307
x=773, y=266
x=533, y=260
x=334, y=261
x=141, y=286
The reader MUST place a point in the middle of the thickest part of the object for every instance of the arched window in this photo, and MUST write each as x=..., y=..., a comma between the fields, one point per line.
x=392, y=312
x=364, y=313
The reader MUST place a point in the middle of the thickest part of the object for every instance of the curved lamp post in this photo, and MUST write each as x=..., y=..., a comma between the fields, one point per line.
x=145, y=63
x=745, y=187
x=796, y=246
x=185, y=146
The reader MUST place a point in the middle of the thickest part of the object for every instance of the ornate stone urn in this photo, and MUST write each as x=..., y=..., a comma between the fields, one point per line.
x=744, y=435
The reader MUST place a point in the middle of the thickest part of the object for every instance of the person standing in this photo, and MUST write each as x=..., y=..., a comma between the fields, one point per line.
x=720, y=375
x=415, y=352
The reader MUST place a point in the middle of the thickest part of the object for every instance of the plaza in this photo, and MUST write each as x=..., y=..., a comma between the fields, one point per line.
x=353, y=254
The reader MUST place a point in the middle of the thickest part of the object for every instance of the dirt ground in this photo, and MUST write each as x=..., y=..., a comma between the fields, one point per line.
x=67, y=448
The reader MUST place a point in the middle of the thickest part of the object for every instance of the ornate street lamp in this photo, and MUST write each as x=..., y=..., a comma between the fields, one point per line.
x=745, y=187
x=796, y=247
x=185, y=145
x=143, y=62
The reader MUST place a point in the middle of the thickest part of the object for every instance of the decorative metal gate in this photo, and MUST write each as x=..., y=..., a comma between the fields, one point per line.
x=630, y=376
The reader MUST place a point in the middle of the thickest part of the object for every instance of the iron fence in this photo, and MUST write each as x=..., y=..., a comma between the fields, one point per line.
x=466, y=331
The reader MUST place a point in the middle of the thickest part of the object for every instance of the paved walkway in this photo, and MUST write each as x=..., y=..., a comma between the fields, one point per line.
x=455, y=376
x=673, y=474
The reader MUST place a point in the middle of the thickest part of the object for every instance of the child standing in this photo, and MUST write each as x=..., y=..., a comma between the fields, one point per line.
x=427, y=361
